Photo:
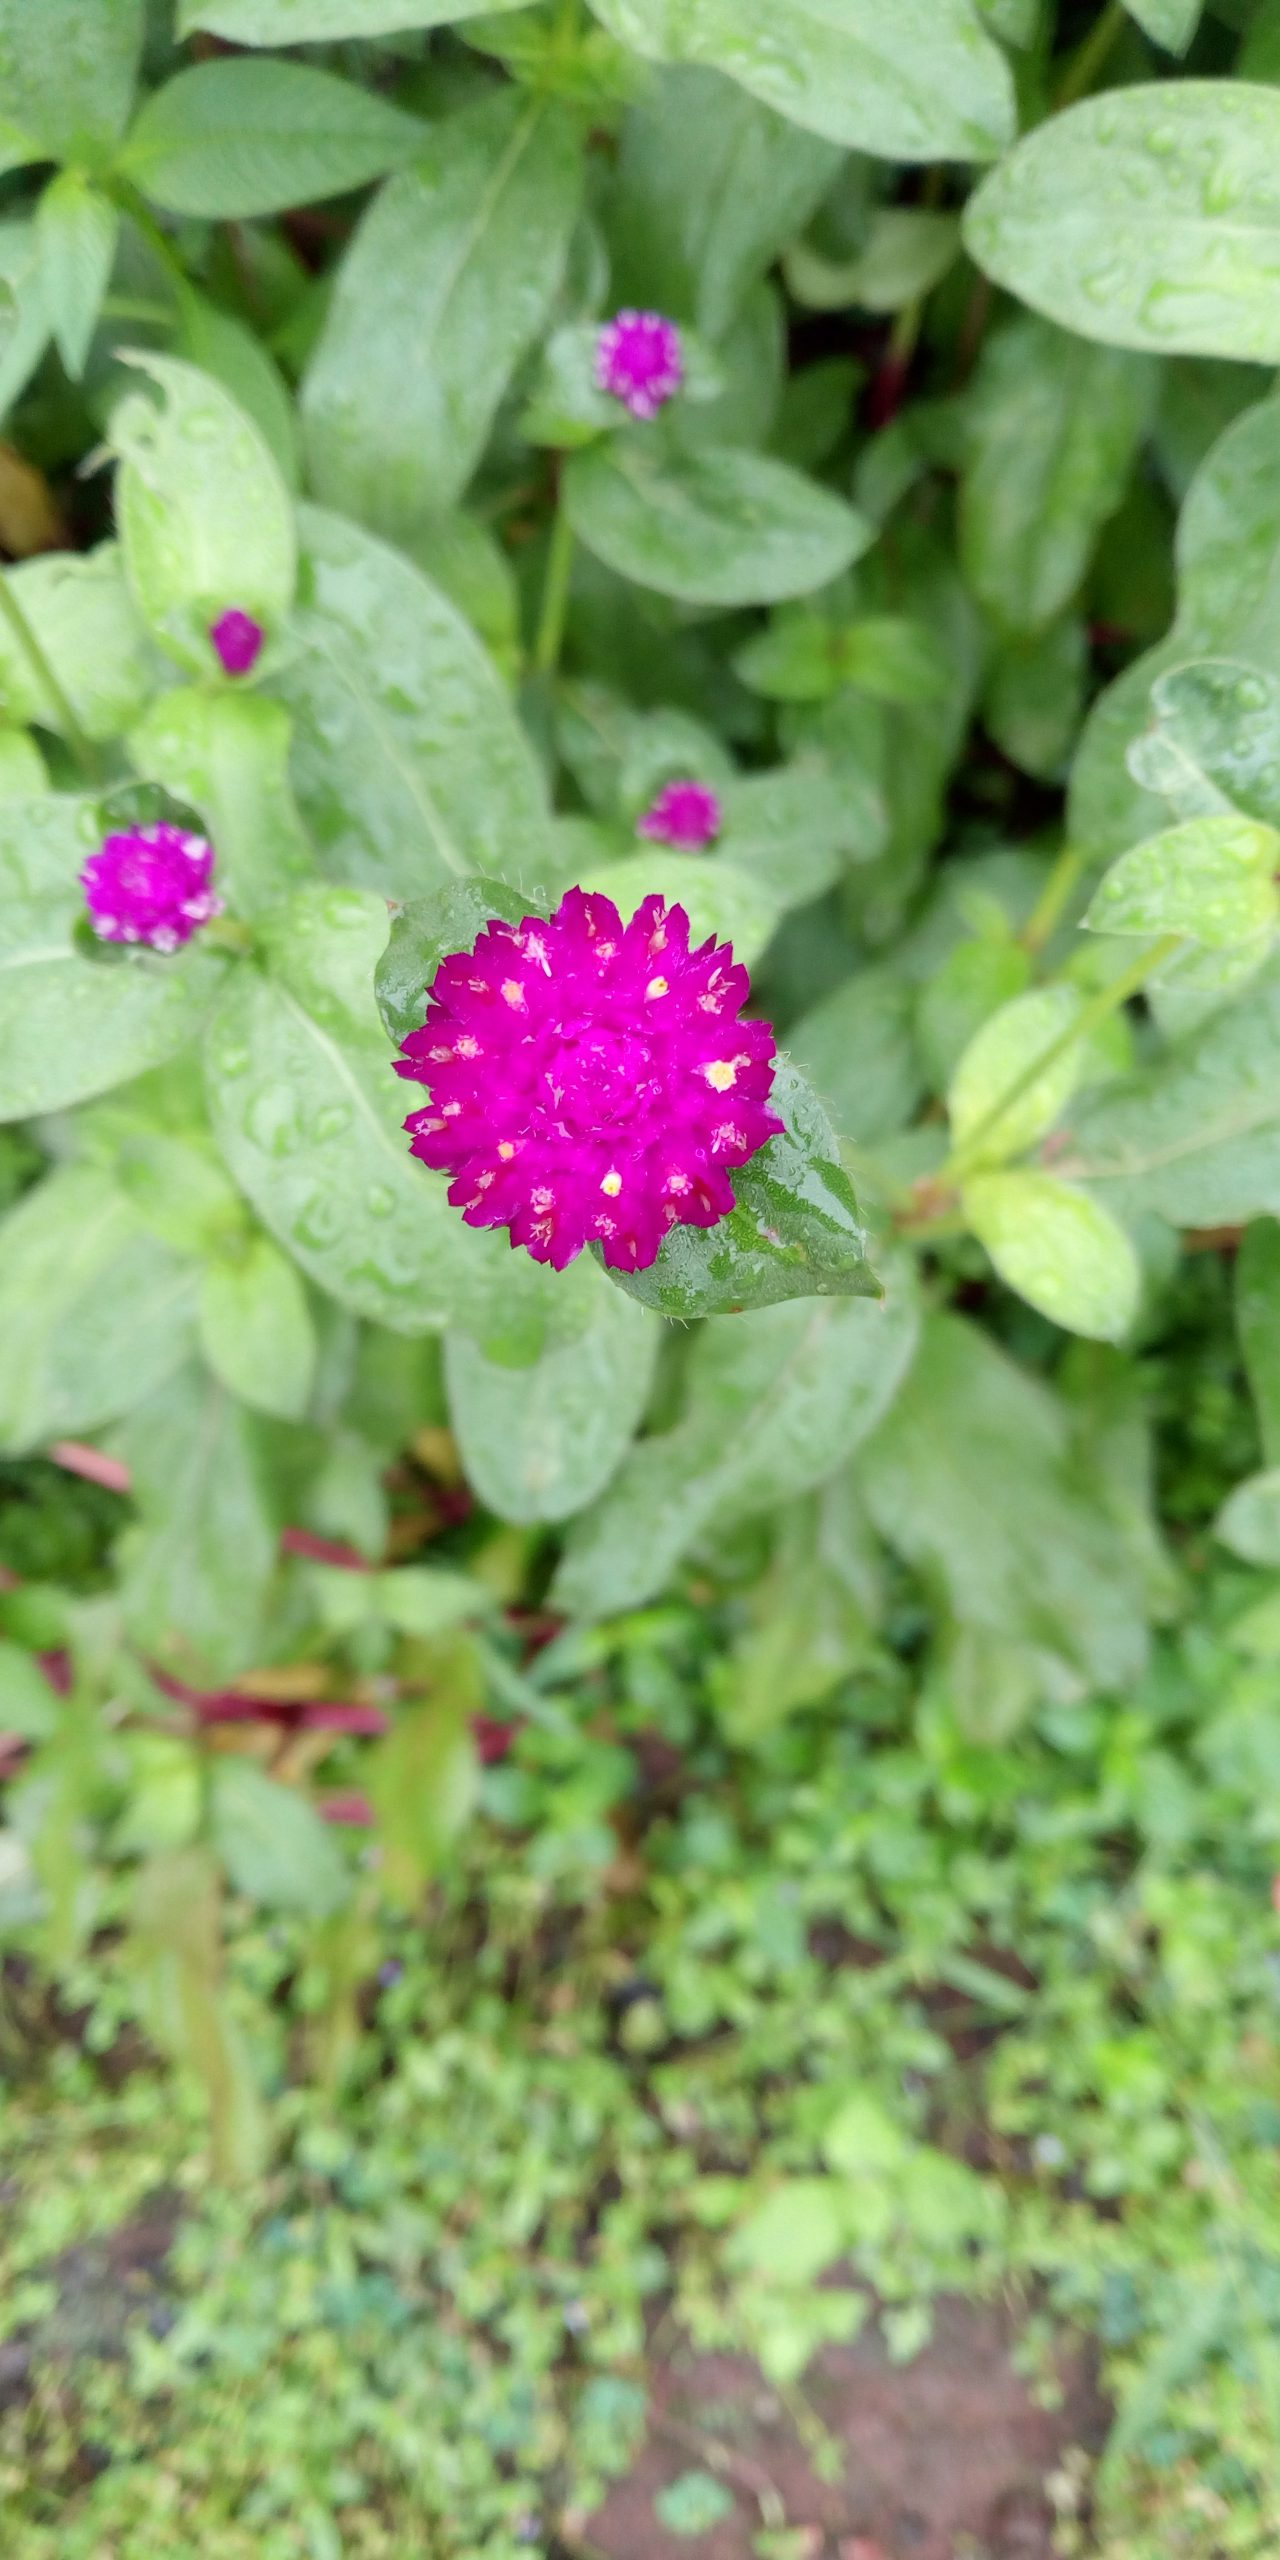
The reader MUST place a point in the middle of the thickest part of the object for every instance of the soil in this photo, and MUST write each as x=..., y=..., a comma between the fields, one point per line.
x=949, y=2457
x=946, y=2458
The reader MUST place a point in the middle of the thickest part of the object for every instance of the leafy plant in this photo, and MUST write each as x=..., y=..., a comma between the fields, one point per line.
x=806, y=473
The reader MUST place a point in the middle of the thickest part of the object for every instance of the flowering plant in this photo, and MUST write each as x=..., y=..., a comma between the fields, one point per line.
x=514, y=643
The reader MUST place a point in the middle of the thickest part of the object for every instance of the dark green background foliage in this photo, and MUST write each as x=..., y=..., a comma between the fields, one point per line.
x=798, y=1731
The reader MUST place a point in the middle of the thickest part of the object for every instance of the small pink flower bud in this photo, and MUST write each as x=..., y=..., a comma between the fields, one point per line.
x=238, y=640
x=639, y=360
x=152, y=885
x=686, y=814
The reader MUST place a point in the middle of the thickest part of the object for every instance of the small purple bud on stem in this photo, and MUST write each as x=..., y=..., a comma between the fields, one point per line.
x=639, y=360
x=238, y=640
x=152, y=885
x=685, y=814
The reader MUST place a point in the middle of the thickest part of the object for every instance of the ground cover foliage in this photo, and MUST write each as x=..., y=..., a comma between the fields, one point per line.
x=547, y=1809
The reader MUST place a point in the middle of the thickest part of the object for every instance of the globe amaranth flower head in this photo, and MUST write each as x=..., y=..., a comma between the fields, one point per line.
x=152, y=885
x=591, y=1083
x=238, y=640
x=686, y=814
x=640, y=361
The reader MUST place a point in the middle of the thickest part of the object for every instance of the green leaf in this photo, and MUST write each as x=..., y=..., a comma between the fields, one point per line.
x=774, y=1404
x=1052, y=431
x=694, y=2504
x=809, y=1617
x=227, y=755
x=1249, y=1521
x=1196, y=1136
x=715, y=527
x=907, y=252
x=1214, y=742
x=710, y=185
x=996, y=1060
x=793, y=829
x=422, y=1777
x=799, y=2229
x=1211, y=879
x=326, y=21
x=1059, y=1248
x=893, y=658
x=920, y=82
x=1171, y=23
x=540, y=1443
x=162, y=1808
x=234, y=138
x=798, y=657
x=856, y=1047
x=1145, y=217
x=196, y=1566
x=410, y=764
x=273, y=1844
x=179, y=1188
x=424, y=933
x=67, y=72
x=28, y=1705
x=256, y=1331
x=176, y=1949
x=309, y=1116
x=970, y=1477
x=1016, y=22
x=1034, y=697
x=44, y=840
x=76, y=229
x=217, y=343
x=24, y=317
x=445, y=286
x=204, y=516
x=718, y=899
x=467, y=561
x=417, y=1600
x=86, y=624
x=72, y=1025
x=23, y=773
x=968, y=986
x=1228, y=557
x=796, y=1231
x=1257, y=1299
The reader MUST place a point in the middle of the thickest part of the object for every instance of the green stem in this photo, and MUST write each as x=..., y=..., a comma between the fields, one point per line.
x=1087, y=62
x=81, y=749
x=555, y=596
x=129, y=306
x=1108, y=1000
x=133, y=204
x=1047, y=913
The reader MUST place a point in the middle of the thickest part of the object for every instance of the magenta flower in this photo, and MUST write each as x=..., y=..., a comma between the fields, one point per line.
x=238, y=640
x=590, y=1083
x=153, y=885
x=687, y=814
x=639, y=360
